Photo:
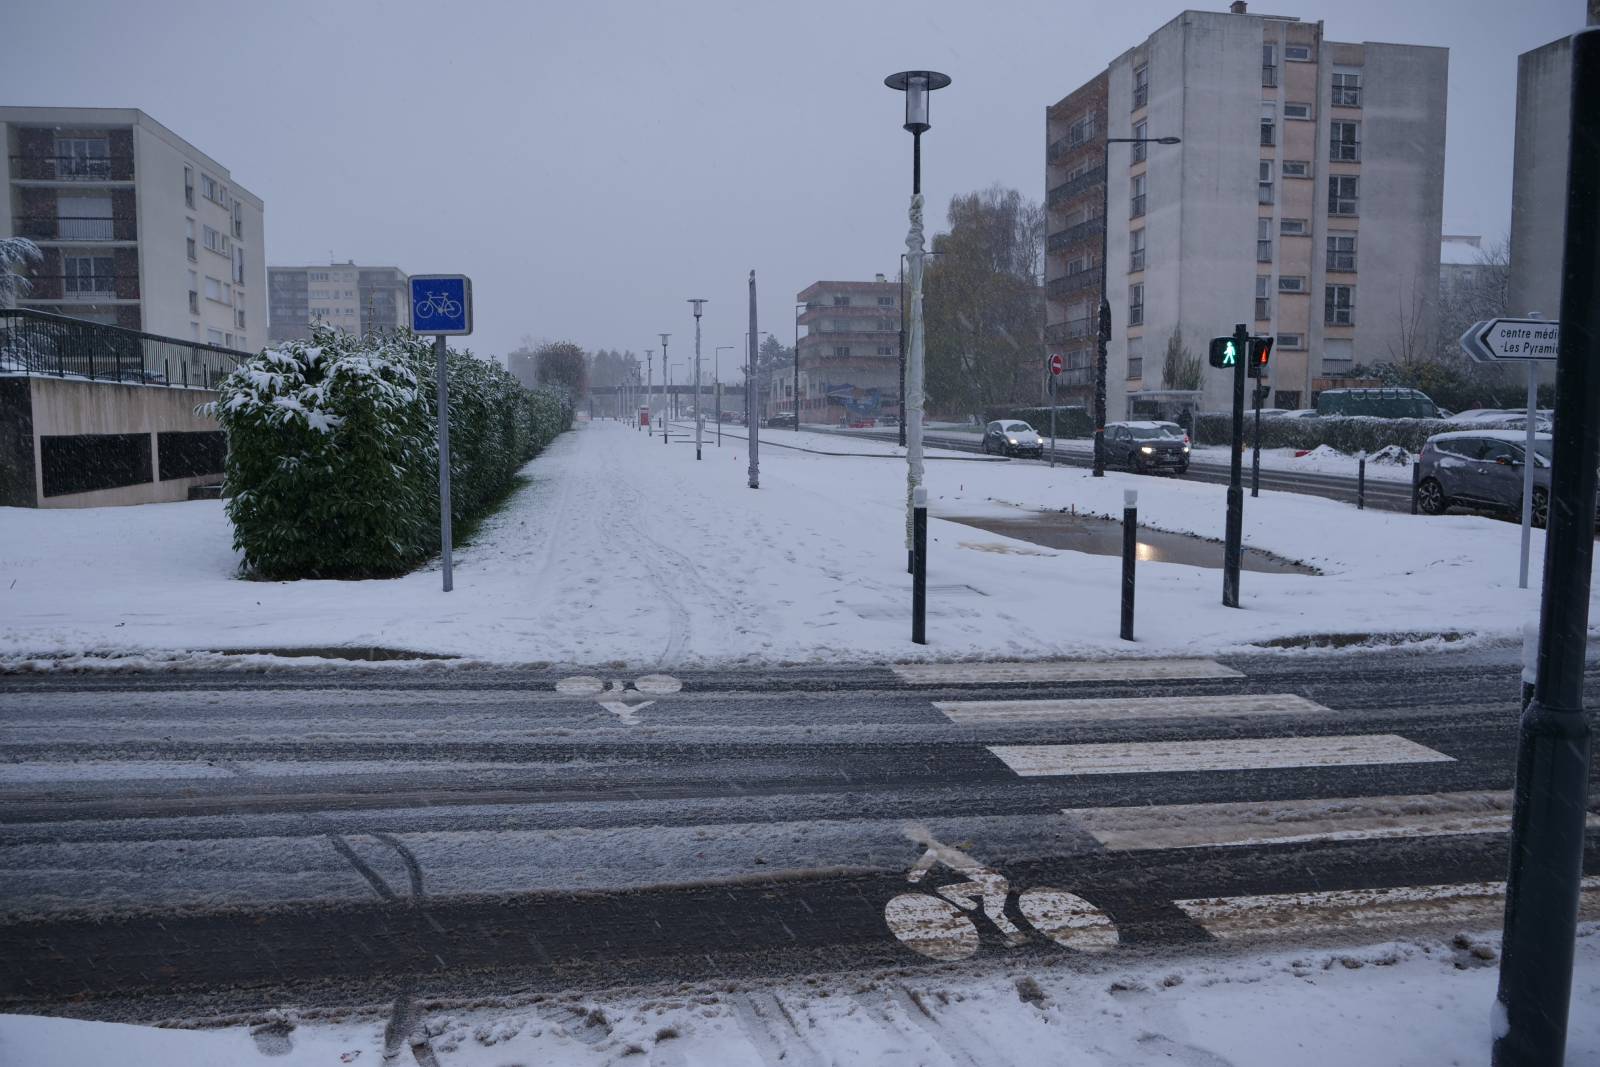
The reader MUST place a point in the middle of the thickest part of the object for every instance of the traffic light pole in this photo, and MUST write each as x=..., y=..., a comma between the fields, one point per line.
x=1549, y=807
x=1233, y=548
x=1255, y=453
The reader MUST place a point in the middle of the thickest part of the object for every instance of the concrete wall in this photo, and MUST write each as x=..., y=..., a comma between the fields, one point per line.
x=1539, y=179
x=69, y=407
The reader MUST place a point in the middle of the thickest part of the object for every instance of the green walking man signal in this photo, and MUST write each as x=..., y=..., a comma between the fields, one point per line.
x=1225, y=354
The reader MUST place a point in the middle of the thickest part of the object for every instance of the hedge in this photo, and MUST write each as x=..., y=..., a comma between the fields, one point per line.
x=333, y=465
x=1071, y=421
x=1347, y=433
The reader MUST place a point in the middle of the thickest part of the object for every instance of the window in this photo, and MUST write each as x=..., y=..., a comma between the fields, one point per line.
x=1347, y=90
x=1140, y=130
x=841, y=301
x=238, y=266
x=1345, y=142
x=83, y=157
x=86, y=275
x=238, y=219
x=1296, y=168
x=213, y=190
x=1081, y=131
x=1294, y=227
x=194, y=293
x=1263, y=299
x=1342, y=194
x=887, y=326
x=1338, y=350
x=215, y=241
x=1264, y=240
x=1291, y=340
x=1136, y=201
x=215, y=290
x=214, y=337
x=1297, y=53
x=1342, y=251
x=1264, y=182
x=1082, y=263
x=1289, y=283
x=1136, y=304
x=1269, y=124
x=1297, y=111
x=1141, y=86
x=188, y=186
x=1135, y=358
x=317, y=276
x=227, y=339
x=886, y=301
x=841, y=351
x=188, y=233
x=1269, y=65
x=1340, y=305
x=238, y=319
x=1136, y=250
x=1287, y=399
x=885, y=350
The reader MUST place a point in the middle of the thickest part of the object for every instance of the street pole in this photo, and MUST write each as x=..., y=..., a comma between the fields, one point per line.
x=699, y=418
x=1233, y=548
x=1103, y=330
x=441, y=356
x=752, y=394
x=650, y=386
x=1052, y=419
x=1527, y=473
x=797, y=368
x=1255, y=453
x=913, y=415
x=919, y=567
x=1130, y=554
x=1549, y=807
x=902, y=350
x=666, y=385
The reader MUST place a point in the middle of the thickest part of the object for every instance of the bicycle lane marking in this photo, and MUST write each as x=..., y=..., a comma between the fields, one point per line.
x=617, y=696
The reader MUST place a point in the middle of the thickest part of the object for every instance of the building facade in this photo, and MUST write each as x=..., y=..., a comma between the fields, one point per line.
x=355, y=299
x=139, y=228
x=1075, y=176
x=849, y=355
x=1305, y=198
x=1539, y=180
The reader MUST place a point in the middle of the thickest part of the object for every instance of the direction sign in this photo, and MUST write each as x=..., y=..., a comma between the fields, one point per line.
x=1512, y=340
x=441, y=304
x=1056, y=364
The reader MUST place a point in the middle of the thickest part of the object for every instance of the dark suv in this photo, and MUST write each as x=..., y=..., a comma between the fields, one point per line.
x=1145, y=446
x=1482, y=469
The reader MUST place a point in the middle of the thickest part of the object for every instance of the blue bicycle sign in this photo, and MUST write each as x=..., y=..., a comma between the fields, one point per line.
x=441, y=304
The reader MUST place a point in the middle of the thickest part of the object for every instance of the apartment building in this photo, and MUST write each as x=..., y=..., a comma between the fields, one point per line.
x=1075, y=142
x=353, y=298
x=849, y=355
x=138, y=227
x=1305, y=198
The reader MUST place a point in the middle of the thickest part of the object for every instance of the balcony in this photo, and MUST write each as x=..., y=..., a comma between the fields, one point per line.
x=1061, y=240
x=1061, y=288
x=54, y=228
x=86, y=288
x=1065, y=146
x=1089, y=180
x=1069, y=330
x=72, y=168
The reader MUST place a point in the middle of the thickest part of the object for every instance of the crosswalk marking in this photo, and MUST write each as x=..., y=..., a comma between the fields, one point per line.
x=1105, y=670
x=1347, y=910
x=1122, y=709
x=1215, y=754
x=1281, y=822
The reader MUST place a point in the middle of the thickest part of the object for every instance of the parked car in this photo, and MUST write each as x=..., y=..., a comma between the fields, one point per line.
x=1146, y=446
x=783, y=420
x=1009, y=437
x=1482, y=469
x=1382, y=403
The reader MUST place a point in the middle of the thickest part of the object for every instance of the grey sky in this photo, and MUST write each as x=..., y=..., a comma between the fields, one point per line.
x=594, y=164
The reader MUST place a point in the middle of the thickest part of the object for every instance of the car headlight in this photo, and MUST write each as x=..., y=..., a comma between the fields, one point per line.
x=1013, y=440
x=1186, y=448
x=1146, y=449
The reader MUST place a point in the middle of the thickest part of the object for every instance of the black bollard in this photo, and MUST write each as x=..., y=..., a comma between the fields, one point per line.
x=919, y=566
x=1361, y=484
x=1130, y=553
x=1416, y=481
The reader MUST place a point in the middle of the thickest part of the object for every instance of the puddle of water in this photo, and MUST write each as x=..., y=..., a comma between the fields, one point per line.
x=1103, y=537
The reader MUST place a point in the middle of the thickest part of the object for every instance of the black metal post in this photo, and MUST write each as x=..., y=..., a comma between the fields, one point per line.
x=1103, y=327
x=916, y=162
x=719, y=414
x=1416, y=482
x=797, y=371
x=1550, y=804
x=1233, y=547
x=902, y=350
x=1361, y=483
x=1255, y=453
x=1130, y=552
x=919, y=567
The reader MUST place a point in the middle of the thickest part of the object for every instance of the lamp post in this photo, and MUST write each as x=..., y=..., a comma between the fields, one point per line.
x=666, y=388
x=1105, y=302
x=916, y=84
x=699, y=419
x=716, y=371
x=799, y=309
x=650, y=386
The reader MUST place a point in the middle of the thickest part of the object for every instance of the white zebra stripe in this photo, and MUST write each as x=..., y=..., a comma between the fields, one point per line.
x=1121, y=709
x=1102, y=670
x=1215, y=754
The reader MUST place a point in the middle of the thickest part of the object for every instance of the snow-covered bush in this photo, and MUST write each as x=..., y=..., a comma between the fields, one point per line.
x=332, y=465
x=1347, y=433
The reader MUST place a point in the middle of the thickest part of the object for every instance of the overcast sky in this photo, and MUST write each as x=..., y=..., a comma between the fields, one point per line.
x=594, y=164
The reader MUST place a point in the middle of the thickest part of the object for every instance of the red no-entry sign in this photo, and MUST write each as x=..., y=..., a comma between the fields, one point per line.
x=1056, y=364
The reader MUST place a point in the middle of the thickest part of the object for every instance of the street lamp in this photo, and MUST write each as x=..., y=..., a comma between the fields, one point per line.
x=1105, y=302
x=667, y=388
x=699, y=419
x=916, y=84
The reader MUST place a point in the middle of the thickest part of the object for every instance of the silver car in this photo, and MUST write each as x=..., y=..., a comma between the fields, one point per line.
x=1482, y=469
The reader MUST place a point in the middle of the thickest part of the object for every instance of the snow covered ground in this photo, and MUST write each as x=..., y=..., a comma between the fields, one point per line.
x=622, y=549
x=1408, y=1003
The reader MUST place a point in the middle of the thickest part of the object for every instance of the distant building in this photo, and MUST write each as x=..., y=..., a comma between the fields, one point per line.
x=356, y=299
x=139, y=228
x=524, y=363
x=1305, y=198
x=1460, y=265
x=849, y=355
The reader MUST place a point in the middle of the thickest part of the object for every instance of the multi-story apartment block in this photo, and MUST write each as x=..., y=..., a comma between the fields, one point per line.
x=138, y=227
x=849, y=354
x=355, y=299
x=1305, y=198
x=1075, y=134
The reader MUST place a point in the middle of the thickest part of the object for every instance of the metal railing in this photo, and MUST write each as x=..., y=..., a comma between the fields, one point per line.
x=1067, y=284
x=82, y=286
x=34, y=342
x=93, y=228
x=1083, y=231
x=1072, y=187
x=117, y=168
x=1069, y=329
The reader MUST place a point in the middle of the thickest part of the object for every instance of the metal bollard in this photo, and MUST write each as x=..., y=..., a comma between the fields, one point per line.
x=919, y=566
x=1130, y=553
x=1416, y=482
x=1361, y=484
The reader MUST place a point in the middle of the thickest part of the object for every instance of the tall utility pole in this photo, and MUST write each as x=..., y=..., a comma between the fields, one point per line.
x=666, y=386
x=650, y=385
x=1233, y=548
x=752, y=392
x=799, y=310
x=699, y=417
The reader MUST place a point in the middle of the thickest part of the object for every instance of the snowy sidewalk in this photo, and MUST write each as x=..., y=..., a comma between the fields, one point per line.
x=622, y=549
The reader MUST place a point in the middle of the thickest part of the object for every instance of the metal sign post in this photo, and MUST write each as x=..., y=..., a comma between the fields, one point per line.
x=1529, y=341
x=1055, y=372
x=1233, y=546
x=441, y=305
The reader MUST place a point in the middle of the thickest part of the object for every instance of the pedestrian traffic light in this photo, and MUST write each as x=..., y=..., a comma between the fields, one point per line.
x=1260, y=354
x=1224, y=353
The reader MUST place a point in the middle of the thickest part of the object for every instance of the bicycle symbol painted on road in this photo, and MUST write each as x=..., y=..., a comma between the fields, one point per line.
x=440, y=302
x=618, y=694
x=937, y=924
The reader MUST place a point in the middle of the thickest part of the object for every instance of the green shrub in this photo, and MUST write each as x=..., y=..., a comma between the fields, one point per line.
x=1071, y=421
x=332, y=467
x=1347, y=433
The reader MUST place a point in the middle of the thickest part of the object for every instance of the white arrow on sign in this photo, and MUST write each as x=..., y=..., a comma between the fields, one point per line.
x=1512, y=340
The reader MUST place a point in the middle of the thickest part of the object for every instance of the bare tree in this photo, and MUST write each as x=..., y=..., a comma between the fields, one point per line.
x=1181, y=368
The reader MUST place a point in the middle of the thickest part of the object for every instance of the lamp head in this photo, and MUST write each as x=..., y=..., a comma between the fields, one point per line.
x=917, y=84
